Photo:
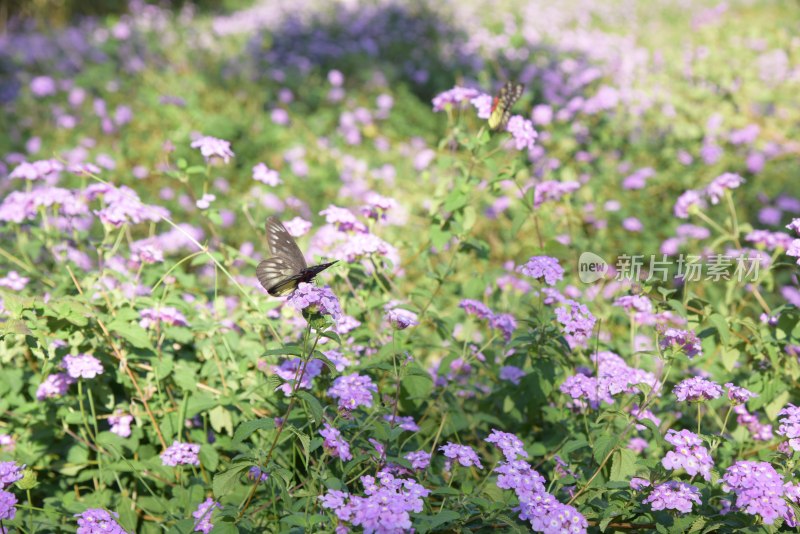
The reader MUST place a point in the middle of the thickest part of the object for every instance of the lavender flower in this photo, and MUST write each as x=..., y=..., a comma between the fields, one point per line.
x=476, y=308
x=509, y=444
x=263, y=174
x=697, y=389
x=456, y=95
x=386, y=506
x=673, y=495
x=47, y=170
x=689, y=454
x=404, y=422
x=181, y=454
x=681, y=340
x=54, y=385
x=739, y=395
x=353, y=391
x=82, y=366
x=98, y=521
x=504, y=322
x=320, y=299
x=121, y=424
x=8, y=502
x=577, y=320
x=419, y=459
x=512, y=374
x=790, y=425
x=548, y=515
x=334, y=444
x=401, y=319
x=552, y=190
x=123, y=205
x=463, y=453
x=213, y=149
x=543, y=268
x=297, y=227
x=758, y=430
x=716, y=189
x=205, y=201
x=203, y=515
x=521, y=129
x=377, y=206
x=288, y=371
x=151, y=317
x=758, y=488
x=10, y=472
x=257, y=475
x=688, y=200
x=342, y=219
x=14, y=281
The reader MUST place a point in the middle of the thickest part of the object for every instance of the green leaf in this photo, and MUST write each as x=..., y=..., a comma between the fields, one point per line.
x=721, y=324
x=602, y=446
x=132, y=333
x=623, y=464
x=313, y=404
x=246, y=429
x=224, y=482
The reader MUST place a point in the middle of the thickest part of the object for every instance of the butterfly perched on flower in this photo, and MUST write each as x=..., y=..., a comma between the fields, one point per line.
x=286, y=268
x=502, y=104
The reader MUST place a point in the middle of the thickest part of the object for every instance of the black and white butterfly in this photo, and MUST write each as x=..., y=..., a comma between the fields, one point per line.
x=502, y=104
x=281, y=273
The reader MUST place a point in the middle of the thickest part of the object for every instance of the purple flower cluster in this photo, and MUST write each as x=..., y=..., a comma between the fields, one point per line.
x=123, y=205
x=758, y=431
x=577, y=320
x=419, y=459
x=181, y=454
x=681, y=340
x=151, y=317
x=509, y=444
x=14, y=281
x=673, y=495
x=47, y=170
x=614, y=376
x=82, y=366
x=689, y=454
x=385, y=508
x=10, y=472
x=321, y=299
x=404, y=422
x=504, y=322
x=121, y=424
x=334, y=444
x=758, y=488
x=352, y=391
x=511, y=373
x=716, y=189
x=54, y=385
x=697, y=389
x=463, y=453
x=401, y=319
x=544, y=268
x=8, y=503
x=688, y=200
x=213, y=149
x=256, y=474
x=455, y=96
x=263, y=174
x=98, y=521
x=288, y=371
x=476, y=308
x=739, y=395
x=552, y=190
x=770, y=240
x=545, y=512
x=522, y=131
x=789, y=426
x=203, y=515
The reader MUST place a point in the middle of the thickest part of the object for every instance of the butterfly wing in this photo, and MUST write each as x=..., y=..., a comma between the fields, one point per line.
x=505, y=100
x=282, y=244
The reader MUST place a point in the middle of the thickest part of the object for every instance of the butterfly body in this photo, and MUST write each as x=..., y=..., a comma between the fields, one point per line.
x=287, y=268
x=502, y=104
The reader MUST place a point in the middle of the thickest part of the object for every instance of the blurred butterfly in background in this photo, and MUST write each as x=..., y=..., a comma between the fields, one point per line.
x=281, y=273
x=502, y=104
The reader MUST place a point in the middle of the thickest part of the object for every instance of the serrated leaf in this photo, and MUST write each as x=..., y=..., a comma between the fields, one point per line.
x=623, y=464
x=224, y=482
x=313, y=404
x=721, y=325
x=131, y=332
x=246, y=429
x=602, y=446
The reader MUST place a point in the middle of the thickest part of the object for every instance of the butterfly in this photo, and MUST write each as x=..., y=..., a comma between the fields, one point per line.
x=502, y=104
x=281, y=273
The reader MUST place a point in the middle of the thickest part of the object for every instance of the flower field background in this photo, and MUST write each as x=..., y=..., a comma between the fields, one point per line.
x=454, y=370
